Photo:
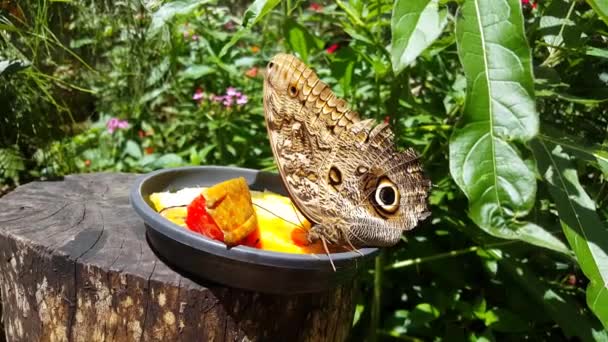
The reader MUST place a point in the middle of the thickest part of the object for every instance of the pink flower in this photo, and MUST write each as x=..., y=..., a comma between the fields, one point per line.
x=332, y=48
x=198, y=95
x=232, y=92
x=525, y=2
x=115, y=123
x=227, y=101
x=241, y=100
x=195, y=37
x=217, y=98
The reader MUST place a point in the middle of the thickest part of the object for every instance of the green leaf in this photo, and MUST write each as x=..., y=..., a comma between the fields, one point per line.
x=415, y=24
x=300, y=40
x=601, y=8
x=257, y=11
x=499, y=110
x=132, y=149
x=557, y=27
x=595, y=154
x=342, y=68
x=583, y=228
x=168, y=11
x=424, y=313
x=197, y=71
x=168, y=160
x=11, y=164
x=504, y=320
x=158, y=72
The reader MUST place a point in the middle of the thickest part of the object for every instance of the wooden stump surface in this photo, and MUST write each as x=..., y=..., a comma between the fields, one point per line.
x=75, y=266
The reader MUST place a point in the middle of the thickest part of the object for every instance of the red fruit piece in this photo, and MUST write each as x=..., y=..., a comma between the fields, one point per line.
x=253, y=240
x=198, y=220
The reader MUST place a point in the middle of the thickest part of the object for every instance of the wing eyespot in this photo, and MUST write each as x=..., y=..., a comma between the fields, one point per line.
x=293, y=91
x=386, y=197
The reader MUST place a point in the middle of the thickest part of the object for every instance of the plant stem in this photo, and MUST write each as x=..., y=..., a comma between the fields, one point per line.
x=417, y=261
x=375, y=313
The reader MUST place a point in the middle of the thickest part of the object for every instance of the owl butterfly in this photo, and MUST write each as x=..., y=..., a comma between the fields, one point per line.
x=343, y=173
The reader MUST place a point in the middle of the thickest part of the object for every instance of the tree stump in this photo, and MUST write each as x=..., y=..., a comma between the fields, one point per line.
x=75, y=266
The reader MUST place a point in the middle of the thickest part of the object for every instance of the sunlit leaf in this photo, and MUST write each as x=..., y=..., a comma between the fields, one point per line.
x=132, y=149
x=415, y=25
x=557, y=26
x=499, y=109
x=601, y=8
x=197, y=71
x=169, y=10
x=258, y=10
x=159, y=72
x=583, y=228
x=597, y=154
x=300, y=40
x=168, y=160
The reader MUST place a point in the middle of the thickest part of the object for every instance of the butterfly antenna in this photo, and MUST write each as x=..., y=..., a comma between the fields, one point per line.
x=328, y=255
x=297, y=213
x=282, y=218
x=354, y=249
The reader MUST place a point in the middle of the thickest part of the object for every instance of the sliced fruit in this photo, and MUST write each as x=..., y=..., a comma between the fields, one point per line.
x=199, y=220
x=183, y=197
x=282, y=227
x=229, y=204
x=176, y=215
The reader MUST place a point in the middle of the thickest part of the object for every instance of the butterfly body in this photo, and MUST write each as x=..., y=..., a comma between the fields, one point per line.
x=343, y=173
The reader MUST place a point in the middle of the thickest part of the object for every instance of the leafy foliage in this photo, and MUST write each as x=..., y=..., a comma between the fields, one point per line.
x=504, y=99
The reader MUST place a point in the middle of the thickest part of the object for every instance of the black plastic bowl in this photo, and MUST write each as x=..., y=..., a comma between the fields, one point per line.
x=241, y=266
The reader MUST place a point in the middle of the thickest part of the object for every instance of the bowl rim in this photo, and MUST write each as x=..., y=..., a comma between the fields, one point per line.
x=238, y=253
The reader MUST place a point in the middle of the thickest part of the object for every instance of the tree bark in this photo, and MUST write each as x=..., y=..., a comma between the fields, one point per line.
x=75, y=266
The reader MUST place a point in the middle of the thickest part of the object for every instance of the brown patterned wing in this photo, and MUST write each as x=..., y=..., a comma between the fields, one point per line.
x=340, y=171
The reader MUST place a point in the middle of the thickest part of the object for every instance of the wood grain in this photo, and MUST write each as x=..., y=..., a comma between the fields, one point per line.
x=75, y=266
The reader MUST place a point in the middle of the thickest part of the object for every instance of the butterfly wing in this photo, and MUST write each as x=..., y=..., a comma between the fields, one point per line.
x=335, y=166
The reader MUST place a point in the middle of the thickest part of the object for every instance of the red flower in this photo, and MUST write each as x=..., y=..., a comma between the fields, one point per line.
x=253, y=72
x=525, y=2
x=87, y=163
x=332, y=48
x=535, y=5
x=141, y=134
x=316, y=7
x=149, y=150
x=387, y=119
x=571, y=280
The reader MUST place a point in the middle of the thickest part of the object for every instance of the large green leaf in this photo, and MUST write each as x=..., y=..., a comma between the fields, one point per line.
x=300, y=40
x=499, y=110
x=258, y=10
x=594, y=154
x=584, y=229
x=415, y=25
x=601, y=8
x=168, y=11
